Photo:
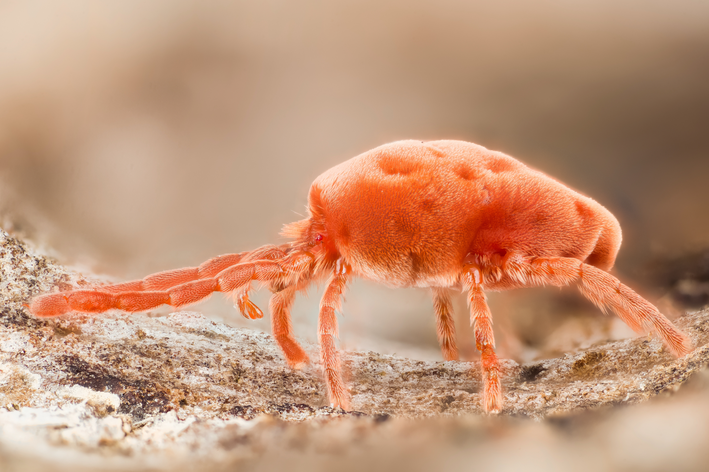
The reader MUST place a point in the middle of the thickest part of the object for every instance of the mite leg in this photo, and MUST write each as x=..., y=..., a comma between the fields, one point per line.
x=282, y=329
x=163, y=281
x=327, y=333
x=605, y=291
x=98, y=300
x=481, y=320
x=445, y=324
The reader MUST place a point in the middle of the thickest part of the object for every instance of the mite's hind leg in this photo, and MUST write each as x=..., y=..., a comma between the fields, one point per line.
x=481, y=321
x=282, y=329
x=605, y=291
x=327, y=333
x=445, y=324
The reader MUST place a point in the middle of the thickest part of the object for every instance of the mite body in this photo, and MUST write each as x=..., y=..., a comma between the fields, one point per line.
x=407, y=214
x=442, y=215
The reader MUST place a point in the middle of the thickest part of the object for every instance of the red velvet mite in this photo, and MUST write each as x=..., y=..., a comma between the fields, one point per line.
x=444, y=215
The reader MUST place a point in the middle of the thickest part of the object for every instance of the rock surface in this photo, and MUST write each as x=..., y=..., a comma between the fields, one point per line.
x=159, y=392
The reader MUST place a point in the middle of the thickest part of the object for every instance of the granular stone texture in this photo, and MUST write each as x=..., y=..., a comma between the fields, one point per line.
x=177, y=388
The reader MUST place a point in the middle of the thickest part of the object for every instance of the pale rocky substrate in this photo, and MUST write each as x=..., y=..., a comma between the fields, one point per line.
x=142, y=392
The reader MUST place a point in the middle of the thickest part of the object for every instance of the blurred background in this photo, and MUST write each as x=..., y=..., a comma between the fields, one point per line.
x=137, y=137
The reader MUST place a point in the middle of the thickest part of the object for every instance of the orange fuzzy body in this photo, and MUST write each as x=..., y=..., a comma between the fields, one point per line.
x=407, y=213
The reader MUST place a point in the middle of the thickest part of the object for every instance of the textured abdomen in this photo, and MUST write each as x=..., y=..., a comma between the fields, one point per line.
x=407, y=213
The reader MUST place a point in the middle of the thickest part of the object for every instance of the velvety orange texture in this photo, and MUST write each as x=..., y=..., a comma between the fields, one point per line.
x=407, y=213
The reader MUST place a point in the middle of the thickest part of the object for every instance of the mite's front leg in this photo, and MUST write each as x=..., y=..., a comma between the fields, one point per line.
x=327, y=333
x=481, y=321
x=98, y=301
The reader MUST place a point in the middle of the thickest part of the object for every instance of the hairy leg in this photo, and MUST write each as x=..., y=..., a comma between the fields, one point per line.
x=481, y=321
x=162, y=281
x=234, y=279
x=445, y=324
x=327, y=333
x=282, y=329
x=605, y=291
x=98, y=300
